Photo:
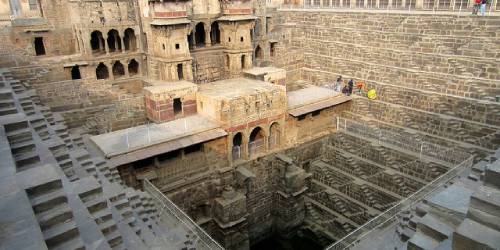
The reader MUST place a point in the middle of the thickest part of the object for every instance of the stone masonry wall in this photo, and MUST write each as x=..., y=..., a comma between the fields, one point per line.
x=209, y=67
x=436, y=74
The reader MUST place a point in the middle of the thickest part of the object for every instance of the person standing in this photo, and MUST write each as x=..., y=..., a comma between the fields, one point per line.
x=338, y=84
x=483, y=7
x=475, y=9
x=350, y=85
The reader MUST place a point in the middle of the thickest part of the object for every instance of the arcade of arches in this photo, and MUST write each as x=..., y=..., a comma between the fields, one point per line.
x=113, y=42
x=257, y=141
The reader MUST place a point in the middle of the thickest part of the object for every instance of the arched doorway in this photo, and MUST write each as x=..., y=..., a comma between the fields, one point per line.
x=114, y=42
x=243, y=62
x=75, y=73
x=129, y=40
x=258, y=52
x=237, y=148
x=101, y=72
x=274, y=135
x=180, y=72
x=215, y=33
x=96, y=41
x=200, y=35
x=256, y=141
x=118, y=70
x=133, y=67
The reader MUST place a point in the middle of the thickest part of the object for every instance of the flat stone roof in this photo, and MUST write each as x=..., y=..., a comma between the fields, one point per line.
x=132, y=139
x=162, y=86
x=310, y=95
x=236, y=17
x=169, y=21
x=262, y=70
x=237, y=88
x=453, y=198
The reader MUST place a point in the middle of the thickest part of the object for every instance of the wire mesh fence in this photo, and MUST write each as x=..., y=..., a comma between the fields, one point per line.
x=386, y=218
x=168, y=211
x=405, y=140
x=462, y=160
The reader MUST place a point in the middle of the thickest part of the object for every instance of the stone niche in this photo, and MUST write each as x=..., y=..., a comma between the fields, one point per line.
x=169, y=101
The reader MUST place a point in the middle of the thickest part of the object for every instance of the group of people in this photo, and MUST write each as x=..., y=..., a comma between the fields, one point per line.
x=339, y=86
x=345, y=89
x=480, y=5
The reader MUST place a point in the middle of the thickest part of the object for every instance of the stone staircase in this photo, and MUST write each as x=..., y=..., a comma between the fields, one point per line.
x=76, y=200
x=54, y=216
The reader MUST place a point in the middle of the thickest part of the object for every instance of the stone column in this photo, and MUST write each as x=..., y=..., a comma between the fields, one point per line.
x=110, y=71
x=208, y=40
x=193, y=38
x=106, y=48
x=117, y=42
x=125, y=67
x=244, y=147
x=122, y=41
x=249, y=61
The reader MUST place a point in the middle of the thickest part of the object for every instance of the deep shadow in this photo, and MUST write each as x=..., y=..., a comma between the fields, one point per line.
x=295, y=243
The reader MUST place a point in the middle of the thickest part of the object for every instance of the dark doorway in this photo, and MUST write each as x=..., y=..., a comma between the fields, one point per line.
x=258, y=52
x=237, y=151
x=129, y=40
x=118, y=69
x=75, y=73
x=180, y=73
x=272, y=48
x=243, y=61
x=133, y=67
x=200, y=35
x=215, y=33
x=237, y=139
x=39, y=46
x=114, y=42
x=190, y=40
x=101, y=71
x=96, y=41
x=177, y=106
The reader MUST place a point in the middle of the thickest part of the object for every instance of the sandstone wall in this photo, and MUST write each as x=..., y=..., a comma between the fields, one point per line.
x=436, y=74
x=209, y=67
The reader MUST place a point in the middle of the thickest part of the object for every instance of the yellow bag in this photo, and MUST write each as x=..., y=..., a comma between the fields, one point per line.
x=372, y=94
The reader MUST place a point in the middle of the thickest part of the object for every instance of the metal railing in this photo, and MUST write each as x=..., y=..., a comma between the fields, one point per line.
x=168, y=211
x=404, y=140
x=236, y=151
x=256, y=146
x=388, y=216
x=457, y=7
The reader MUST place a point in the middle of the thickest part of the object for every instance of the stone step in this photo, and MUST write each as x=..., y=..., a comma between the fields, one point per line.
x=60, y=234
x=45, y=188
x=72, y=244
x=52, y=217
x=48, y=201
